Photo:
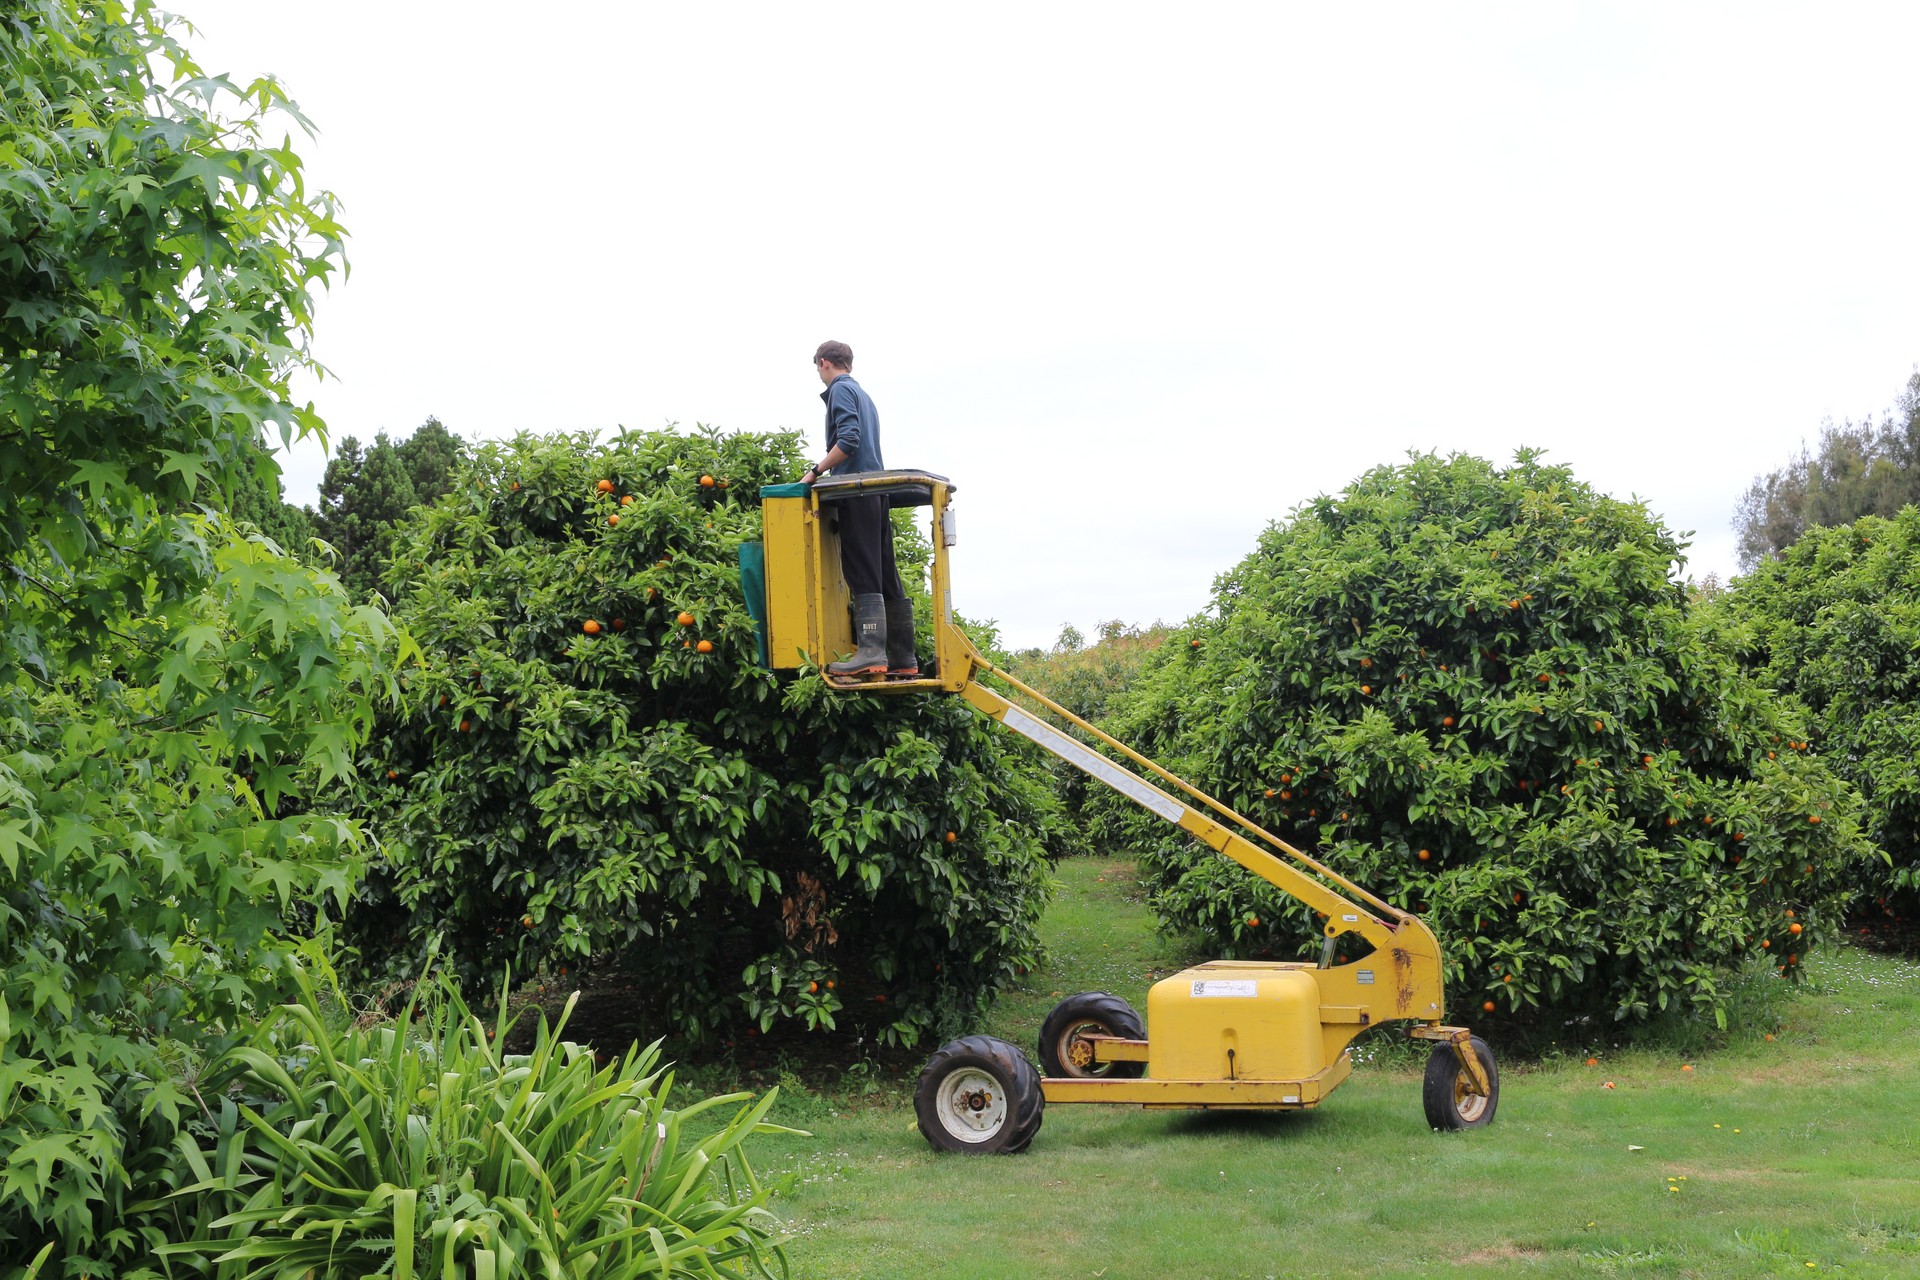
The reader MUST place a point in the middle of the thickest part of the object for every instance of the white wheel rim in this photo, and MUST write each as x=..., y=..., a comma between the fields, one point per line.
x=971, y=1105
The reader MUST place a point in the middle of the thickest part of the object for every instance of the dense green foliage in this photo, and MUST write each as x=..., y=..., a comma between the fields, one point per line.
x=591, y=766
x=1477, y=692
x=366, y=493
x=168, y=688
x=1836, y=621
x=1085, y=679
x=1858, y=470
x=422, y=1147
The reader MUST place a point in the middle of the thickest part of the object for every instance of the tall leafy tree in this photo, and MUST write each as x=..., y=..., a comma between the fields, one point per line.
x=1858, y=469
x=366, y=493
x=167, y=685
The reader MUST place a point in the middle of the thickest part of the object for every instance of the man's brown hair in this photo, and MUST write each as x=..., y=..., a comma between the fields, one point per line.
x=837, y=354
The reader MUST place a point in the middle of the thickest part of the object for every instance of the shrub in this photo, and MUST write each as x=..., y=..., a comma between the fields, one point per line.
x=1476, y=692
x=421, y=1147
x=592, y=766
x=1835, y=620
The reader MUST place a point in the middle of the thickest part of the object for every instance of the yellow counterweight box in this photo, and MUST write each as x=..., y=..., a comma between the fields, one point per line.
x=1235, y=1020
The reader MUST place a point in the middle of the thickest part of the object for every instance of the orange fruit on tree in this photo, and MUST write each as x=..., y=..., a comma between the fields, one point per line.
x=812, y=987
x=514, y=487
x=1366, y=663
x=605, y=486
x=1425, y=854
x=392, y=774
x=591, y=627
x=526, y=922
x=952, y=836
x=1446, y=722
x=1253, y=922
x=706, y=482
x=1366, y=691
x=1488, y=1006
x=613, y=519
x=1269, y=793
x=705, y=646
x=685, y=619
x=1794, y=927
x=626, y=500
x=619, y=624
x=466, y=726
x=1814, y=818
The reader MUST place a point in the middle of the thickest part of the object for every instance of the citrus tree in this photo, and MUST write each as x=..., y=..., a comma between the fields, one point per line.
x=593, y=768
x=1478, y=692
x=170, y=686
x=1835, y=620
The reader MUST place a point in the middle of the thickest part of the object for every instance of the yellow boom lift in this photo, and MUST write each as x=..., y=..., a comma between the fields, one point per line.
x=1245, y=1035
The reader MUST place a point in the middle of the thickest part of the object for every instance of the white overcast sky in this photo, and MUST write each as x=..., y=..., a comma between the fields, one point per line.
x=1140, y=278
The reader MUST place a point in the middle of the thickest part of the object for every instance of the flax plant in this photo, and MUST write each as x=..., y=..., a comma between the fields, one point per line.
x=421, y=1148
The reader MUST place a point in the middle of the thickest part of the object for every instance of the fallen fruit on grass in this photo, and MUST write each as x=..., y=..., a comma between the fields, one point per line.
x=1607, y=1085
x=1687, y=1066
x=1593, y=1062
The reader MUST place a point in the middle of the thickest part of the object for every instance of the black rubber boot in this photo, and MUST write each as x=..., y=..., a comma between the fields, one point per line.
x=870, y=636
x=902, y=662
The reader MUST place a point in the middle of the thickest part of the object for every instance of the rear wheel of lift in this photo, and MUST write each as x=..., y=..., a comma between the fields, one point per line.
x=1064, y=1049
x=1448, y=1091
x=979, y=1095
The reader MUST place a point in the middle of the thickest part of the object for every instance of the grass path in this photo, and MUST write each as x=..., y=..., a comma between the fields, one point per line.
x=1764, y=1158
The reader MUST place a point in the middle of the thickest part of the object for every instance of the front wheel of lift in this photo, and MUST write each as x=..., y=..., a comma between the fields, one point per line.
x=979, y=1095
x=1064, y=1050
x=1447, y=1092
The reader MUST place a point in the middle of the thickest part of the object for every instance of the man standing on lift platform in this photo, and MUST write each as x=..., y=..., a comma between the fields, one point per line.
x=882, y=614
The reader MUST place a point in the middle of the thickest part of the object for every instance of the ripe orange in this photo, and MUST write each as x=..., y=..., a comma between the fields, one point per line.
x=1766, y=943
x=1739, y=836
x=1513, y=604
x=1488, y=1006
x=1814, y=818
x=466, y=726
x=952, y=836
x=514, y=487
x=1545, y=678
x=613, y=519
x=1598, y=727
x=812, y=987
x=1253, y=922
x=591, y=627
x=1789, y=915
x=685, y=619
x=1269, y=793
x=706, y=482
x=1366, y=691
x=1424, y=855
x=392, y=774
x=1686, y=1066
x=526, y=922
x=443, y=700
x=705, y=646
x=1794, y=927
x=1286, y=795
x=1194, y=643
x=1446, y=722
x=1508, y=978
x=1593, y=1062
x=626, y=500
x=619, y=624
x=605, y=486
x=1366, y=663
x=829, y=984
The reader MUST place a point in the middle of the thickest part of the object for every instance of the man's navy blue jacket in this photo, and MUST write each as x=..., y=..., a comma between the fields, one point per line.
x=853, y=424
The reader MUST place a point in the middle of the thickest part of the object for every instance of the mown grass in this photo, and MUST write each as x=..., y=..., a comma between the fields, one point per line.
x=1764, y=1158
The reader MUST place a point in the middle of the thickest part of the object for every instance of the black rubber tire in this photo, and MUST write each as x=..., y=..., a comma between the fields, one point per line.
x=1447, y=1106
x=986, y=1071
x=1089, y=1011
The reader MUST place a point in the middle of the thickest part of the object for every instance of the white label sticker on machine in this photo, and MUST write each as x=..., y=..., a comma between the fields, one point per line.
x=1231, y=988
x=1364, y=977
